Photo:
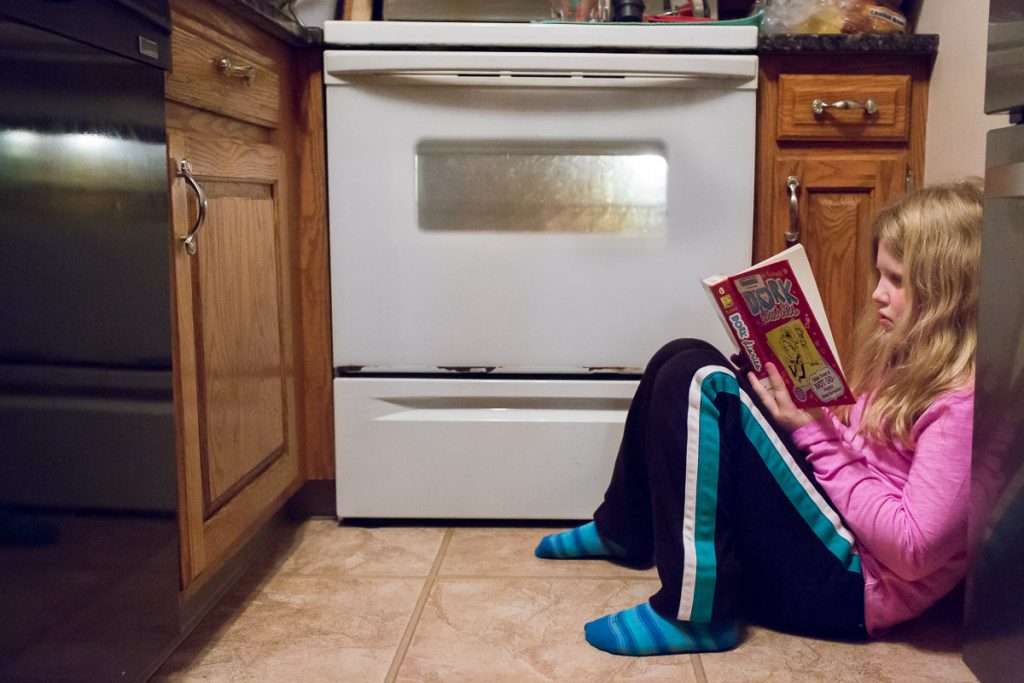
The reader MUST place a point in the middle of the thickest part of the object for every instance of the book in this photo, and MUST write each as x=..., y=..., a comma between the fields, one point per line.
x=774, y=313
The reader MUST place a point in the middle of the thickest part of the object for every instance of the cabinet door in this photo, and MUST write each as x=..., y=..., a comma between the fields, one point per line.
x=836, y=200
x=235, y=391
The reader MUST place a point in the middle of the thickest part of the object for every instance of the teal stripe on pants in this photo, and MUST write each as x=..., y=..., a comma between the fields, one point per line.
x=779, y=465
x=784, y=476
x=706, y=509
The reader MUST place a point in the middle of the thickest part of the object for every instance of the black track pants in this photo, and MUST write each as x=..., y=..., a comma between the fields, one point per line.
x=726, y=506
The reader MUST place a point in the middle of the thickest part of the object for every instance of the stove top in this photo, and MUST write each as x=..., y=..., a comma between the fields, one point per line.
x=637, y=37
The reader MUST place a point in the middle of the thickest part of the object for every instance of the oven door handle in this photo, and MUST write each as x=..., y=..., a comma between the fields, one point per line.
x=548, y=80
x=538, y=69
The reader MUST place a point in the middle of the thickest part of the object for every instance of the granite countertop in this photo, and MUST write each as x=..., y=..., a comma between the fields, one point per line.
x=906, y=43
x=276, y=17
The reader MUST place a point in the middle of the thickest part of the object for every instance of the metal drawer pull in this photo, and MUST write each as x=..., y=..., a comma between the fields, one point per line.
x=232, y=71
x=793, y=234
x=185, y=171
x=819, y=106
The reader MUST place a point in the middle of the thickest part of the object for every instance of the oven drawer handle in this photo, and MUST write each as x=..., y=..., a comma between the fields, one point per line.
x=229, y=70
x=819, y=106
x=793, y=234
x=185, y=171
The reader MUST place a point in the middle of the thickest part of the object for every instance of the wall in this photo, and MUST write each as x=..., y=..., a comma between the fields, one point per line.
x=957, y=124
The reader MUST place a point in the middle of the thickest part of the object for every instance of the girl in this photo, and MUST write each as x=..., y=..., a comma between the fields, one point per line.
x=829, y=523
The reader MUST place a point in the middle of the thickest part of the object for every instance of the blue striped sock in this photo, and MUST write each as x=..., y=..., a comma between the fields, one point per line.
x=642, y=631
x=579, y=543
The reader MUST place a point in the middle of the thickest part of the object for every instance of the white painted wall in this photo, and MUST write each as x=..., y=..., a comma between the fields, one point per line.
x=957, y=123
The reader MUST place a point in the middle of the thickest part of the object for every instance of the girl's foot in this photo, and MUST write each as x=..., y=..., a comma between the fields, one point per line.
x=642, y=631
x=576, y=544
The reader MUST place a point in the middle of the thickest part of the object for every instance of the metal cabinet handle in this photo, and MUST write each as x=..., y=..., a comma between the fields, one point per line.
x=819, y=106
x=185, y=171
x=793, y=234
x=231, y=71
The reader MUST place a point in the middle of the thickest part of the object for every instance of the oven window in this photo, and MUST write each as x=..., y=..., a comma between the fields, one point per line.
x=602, y=187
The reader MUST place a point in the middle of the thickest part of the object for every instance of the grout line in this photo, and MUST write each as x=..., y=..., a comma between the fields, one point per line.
x=353, y=577
x=698, y=668
x=421, y=603
x=544, y=577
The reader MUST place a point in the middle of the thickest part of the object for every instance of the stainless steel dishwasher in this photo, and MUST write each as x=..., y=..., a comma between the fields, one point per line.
x=88, y=511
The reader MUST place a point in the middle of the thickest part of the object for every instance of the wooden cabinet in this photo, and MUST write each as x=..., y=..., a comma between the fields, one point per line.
x=229, y=119
x=823, y=172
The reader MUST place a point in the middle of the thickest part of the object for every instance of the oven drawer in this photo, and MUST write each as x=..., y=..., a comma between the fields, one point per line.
x=213, y=71
x=800, y=119
x=476, y=448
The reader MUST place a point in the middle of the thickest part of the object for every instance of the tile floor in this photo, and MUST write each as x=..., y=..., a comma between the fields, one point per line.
x=471, y=603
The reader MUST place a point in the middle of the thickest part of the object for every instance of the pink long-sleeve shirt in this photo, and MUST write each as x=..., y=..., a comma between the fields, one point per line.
x=906, y=506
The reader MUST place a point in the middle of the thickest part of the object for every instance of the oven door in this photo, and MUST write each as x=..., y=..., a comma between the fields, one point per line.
x=532, y=212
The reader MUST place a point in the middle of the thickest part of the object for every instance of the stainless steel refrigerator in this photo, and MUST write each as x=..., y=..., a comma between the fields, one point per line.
x=994, y=611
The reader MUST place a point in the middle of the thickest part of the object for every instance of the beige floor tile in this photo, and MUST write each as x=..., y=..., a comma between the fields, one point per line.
x=299, y=628
x=502, y=551
x=333, y=603
x=770, y=657
x=321, y=547
x=521, y=630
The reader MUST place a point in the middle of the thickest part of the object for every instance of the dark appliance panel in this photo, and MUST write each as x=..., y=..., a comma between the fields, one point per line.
x=1004, y=82
x=89, y=567
x=994, y=607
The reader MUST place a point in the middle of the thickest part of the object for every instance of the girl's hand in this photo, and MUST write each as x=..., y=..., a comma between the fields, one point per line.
x=779, y=403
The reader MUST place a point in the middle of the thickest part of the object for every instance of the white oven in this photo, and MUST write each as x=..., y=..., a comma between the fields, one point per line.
x=517, y=222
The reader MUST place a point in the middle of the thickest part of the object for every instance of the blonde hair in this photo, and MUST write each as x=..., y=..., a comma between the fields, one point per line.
x=935, y=234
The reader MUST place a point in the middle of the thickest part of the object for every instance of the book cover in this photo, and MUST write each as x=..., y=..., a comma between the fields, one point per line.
x=773, y=312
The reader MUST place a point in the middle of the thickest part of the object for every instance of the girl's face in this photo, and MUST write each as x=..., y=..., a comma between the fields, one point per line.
x=888, y=294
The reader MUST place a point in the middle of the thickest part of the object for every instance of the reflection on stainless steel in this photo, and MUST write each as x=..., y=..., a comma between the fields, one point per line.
x=1006, y=180
x=83, y=188
x=994, y=611
x=1005, y=68
x=81, y=206
x=995, y=599
x=88, y=494
x=86, y=161
x=568, y=187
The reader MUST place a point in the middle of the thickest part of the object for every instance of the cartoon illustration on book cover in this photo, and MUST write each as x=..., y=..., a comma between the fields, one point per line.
x=799, y=358
x=802, y=362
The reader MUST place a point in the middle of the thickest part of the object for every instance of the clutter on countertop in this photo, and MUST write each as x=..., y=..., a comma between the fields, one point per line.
x=833, y=17
x=278, y=18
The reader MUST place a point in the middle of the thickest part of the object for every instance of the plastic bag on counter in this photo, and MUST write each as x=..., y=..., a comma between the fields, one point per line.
x=831, y=16
x=872, y=17
x=788, y=16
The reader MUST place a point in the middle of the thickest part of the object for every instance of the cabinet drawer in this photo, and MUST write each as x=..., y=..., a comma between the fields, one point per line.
x=797, y=119
x=245, y=90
